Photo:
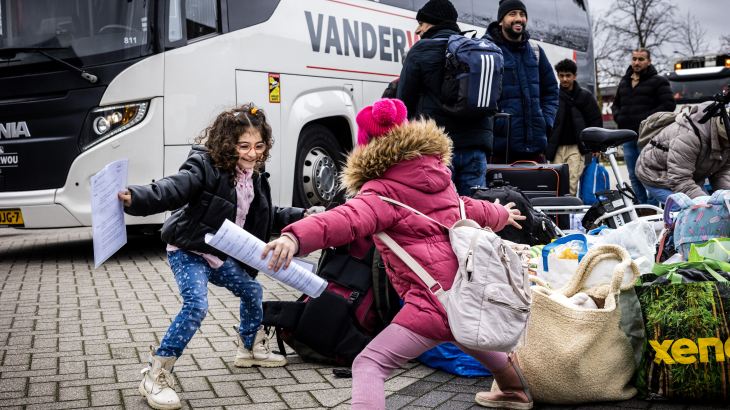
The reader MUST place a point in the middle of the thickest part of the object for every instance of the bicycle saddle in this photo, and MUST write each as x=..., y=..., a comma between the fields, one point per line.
x=599, y=139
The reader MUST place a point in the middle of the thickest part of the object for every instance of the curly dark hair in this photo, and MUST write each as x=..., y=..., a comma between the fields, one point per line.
x=221, y=137
x=566, y=66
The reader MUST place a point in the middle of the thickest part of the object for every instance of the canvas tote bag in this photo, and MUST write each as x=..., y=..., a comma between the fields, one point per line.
x=578, y=356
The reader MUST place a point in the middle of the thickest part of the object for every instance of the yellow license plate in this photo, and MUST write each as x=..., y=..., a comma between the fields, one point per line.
x=11, y=217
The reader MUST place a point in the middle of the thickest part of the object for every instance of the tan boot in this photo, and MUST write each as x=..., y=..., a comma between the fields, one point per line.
x=157, y=383
x=260, y=353
x=513, y=393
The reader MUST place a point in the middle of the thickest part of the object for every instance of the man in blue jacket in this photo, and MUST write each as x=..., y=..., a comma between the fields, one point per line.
x=423, y=71
x=529, y=87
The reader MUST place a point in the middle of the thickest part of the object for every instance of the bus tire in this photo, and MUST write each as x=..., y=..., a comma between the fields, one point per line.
x=319, y=161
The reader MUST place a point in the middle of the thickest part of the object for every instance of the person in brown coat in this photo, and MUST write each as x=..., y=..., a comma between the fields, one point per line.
x=684, y=154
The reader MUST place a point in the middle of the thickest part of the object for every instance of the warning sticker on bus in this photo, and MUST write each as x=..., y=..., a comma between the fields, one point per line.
x=274, y=88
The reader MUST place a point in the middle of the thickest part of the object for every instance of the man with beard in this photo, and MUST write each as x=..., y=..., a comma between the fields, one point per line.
x=641, y=93
x=423, y=71
x=529, y=87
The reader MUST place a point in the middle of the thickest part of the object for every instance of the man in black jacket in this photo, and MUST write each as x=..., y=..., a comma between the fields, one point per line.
x=641, y=93
x=424, y=70
x=578, y=110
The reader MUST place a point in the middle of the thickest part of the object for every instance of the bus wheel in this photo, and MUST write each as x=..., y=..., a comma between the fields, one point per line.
x=319, y=158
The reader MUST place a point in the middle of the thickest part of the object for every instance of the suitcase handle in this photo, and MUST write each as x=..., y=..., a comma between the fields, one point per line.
x=529, y=162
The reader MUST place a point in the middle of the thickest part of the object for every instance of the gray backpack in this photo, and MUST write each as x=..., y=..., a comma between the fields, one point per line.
x=653, y=125
x=488, y=305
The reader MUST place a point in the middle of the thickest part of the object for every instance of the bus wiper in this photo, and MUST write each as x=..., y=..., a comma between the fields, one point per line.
x=10, y=52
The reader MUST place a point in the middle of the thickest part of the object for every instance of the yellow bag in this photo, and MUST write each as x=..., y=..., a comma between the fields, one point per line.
x=578, y=356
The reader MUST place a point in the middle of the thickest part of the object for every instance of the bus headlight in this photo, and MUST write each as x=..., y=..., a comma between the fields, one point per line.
x=105, y=122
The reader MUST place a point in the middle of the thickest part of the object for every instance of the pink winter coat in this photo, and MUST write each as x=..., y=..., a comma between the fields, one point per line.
x=408, y=165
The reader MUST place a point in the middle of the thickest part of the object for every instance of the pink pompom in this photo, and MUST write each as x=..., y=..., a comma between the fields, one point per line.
x=384, y=111
x=376, y=120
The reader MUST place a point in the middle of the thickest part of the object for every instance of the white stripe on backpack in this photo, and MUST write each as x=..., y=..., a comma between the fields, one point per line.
x=482, y=81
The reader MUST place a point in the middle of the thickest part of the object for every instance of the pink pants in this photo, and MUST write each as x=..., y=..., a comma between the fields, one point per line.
x=391, y=349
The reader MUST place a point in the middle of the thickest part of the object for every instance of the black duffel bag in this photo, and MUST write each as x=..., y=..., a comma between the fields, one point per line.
x=537, y=228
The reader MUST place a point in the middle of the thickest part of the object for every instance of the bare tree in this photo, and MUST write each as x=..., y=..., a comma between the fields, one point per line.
x=692, y=36
x=607, y=52
x=643, y=23
x=725, y=44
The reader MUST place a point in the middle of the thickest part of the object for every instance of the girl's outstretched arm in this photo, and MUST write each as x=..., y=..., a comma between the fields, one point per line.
x=362, y=216
x=485, y=213
x=169, y=193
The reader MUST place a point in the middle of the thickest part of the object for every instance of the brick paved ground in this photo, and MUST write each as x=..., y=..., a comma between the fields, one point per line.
x=73, y=337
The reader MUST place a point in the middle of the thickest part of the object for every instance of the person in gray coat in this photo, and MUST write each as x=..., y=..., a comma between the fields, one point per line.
x=684, y=154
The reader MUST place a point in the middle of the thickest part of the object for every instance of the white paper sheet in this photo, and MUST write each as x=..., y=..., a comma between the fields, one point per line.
x=107, y=210
x=241, y=245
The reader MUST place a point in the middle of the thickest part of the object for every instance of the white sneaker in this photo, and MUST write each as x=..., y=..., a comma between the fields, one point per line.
x=260, y=353
x=157, y=383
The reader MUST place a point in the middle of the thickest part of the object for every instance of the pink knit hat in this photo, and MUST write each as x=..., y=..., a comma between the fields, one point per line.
x=379, y=118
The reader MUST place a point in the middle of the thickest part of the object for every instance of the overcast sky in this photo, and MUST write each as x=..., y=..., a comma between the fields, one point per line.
x=713, y=14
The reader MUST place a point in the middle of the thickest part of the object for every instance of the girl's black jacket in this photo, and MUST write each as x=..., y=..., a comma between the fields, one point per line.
x=202, y=198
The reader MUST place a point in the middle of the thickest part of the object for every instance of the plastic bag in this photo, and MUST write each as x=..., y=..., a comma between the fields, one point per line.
x=558, y=272
x=450, y=358
x=637, y=237
x=717, y=249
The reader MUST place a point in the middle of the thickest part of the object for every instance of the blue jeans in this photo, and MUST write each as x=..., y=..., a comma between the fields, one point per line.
x=661, y=194
x=468, y=169
x=192, y=274
x=631, y=155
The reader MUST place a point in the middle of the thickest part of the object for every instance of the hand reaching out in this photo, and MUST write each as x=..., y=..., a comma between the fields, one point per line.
x=284, y=250
x=127, y=197
x=514, y=214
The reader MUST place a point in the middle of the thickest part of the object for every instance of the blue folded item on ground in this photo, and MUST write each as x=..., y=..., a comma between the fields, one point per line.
x=593, y=179
x=449, y=358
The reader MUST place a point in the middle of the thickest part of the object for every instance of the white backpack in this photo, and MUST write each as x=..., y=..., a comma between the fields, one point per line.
x=488, y=306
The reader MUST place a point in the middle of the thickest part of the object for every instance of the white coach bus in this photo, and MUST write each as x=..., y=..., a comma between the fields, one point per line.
x=86, y=82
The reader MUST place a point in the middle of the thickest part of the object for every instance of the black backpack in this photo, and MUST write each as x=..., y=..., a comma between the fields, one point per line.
x=334, y=328
x=537, y=228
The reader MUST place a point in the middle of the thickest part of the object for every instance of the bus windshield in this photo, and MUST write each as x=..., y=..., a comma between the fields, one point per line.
x=695, y=91
x=80, y=32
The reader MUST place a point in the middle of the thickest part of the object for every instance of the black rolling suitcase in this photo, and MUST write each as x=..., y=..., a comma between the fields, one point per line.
x=535, y=180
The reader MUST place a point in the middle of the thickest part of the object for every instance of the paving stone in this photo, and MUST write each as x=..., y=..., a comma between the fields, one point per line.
x=72, y=393
x=42, y=389
x=307, y=376
x=13, y=384
x=419, y=388
x=189, y=384
x=431, y=398
x=332, y=397
x=262, y=394
x=397, y=401
x=299, y=400
x=228, y=389
x=105, y=398
x=274, y=372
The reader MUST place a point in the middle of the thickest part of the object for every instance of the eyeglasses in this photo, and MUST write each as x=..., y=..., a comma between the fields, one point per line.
x=246, y=147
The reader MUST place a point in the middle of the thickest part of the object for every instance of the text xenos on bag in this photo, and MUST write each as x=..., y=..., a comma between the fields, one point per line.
x=686, y=326
x=683, y=351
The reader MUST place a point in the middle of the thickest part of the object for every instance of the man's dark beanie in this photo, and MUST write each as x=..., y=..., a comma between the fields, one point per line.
x=437, y=11
x=505, y=6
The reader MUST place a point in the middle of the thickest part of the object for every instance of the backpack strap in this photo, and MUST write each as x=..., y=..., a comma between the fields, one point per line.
x=430, y=282
x=394, y=202
x=535, y=49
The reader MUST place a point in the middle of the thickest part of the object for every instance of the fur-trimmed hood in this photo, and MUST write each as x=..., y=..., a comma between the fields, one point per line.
x=403, y=143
